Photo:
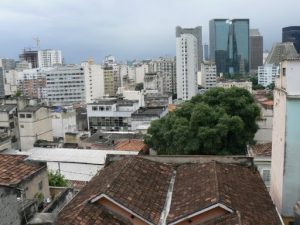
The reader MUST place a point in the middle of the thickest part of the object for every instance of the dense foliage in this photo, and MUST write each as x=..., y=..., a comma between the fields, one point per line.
x=221, y=121
x=139, y=86
x=56, y=179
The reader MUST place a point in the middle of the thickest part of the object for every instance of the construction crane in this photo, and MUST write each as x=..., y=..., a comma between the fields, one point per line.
x=37, y=40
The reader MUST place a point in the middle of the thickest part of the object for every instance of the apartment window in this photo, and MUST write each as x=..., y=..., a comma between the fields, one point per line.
x=28, y=115
x=283, y=71
x=266, y=175
x=22, y=115
x=22, y=126
x=95, y=108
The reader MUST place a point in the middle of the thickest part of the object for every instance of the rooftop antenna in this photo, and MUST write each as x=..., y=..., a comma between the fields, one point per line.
x=37, y=40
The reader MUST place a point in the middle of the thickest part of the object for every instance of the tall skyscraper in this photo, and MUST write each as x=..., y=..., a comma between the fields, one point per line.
x=256, y=49
x=188, y=57
x=205, y=52
x=229, y=45
x=30, y=56
x=292, y=34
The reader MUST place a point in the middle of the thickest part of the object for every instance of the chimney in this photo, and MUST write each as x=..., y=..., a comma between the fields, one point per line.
x=297, y=213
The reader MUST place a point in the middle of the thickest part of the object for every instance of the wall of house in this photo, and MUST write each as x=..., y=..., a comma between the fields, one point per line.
x=291, y=181
x=264, y=133
x=63, y=122
x=9, y=214
x=110, y=205
x=213, y=213
x=278, y=148
x=38, y=184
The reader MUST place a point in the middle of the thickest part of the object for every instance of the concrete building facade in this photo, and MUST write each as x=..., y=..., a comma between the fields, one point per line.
x=285, y=182
x=267, y=74
x=208, y=75
x=66, y=85
x=187, y=63
x=34, y=124
x=50, y=58
x=256, y=49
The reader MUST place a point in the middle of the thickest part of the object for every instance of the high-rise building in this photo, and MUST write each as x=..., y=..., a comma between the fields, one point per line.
x=65, y=85
x=49, y=58
x=229, y=45
x=197, y=32
x=7, y=64
x=292, y=34
x=30, y=56
x=267, y=74
x=285, y=182
x=165, y=66
x=256, y=49
x=205, y=52
x=188, y=57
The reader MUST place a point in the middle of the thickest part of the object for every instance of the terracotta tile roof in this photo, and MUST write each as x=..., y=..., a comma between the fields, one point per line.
x=13, y=169
x=131, y=145
x=141, y=186
x=124, y=181
x=262, y=149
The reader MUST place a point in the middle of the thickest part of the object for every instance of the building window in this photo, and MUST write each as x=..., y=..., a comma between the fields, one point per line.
x=22, y=115
x=41, y=185
x=95, y=108
x=22, y=126
x=28, y=115
x=283, y=71
x=266, y=176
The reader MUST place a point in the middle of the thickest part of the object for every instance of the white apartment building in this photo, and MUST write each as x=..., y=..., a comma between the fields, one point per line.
x=161, y=82
x=34, y=124
x=66, y=85
x=49, y=58
x=229, y=84
x=94, y=81
x=267, y=74
x=140, y=71
x=186, y=65
x=111, y=114
x=208, y=75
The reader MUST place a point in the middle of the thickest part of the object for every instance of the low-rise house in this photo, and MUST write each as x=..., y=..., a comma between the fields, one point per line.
x=8, y=126
x=136, y=190
x=34, y=124
x=262, y=154
x=142, y=118
x=23, y=188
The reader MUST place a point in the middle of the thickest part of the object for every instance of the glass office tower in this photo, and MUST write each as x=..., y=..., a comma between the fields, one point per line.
x=229, y=45
x=292, y=34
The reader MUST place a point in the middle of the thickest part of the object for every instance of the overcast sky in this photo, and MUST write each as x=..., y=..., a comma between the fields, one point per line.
x=128, y=29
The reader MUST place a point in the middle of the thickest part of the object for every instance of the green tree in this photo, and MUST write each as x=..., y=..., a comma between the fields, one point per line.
x=139, y=86
x=56, y=179
x=221, y=121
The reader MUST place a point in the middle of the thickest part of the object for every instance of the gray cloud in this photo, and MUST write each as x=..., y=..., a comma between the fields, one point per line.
x=128, y=28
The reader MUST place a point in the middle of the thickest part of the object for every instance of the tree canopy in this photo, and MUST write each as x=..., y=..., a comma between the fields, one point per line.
x=219, y=122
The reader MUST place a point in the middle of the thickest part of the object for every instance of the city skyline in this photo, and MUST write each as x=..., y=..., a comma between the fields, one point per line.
x=128, y=29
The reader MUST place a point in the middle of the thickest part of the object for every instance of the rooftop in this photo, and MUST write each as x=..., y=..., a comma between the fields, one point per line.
x=14, y=169
x=155, y=111
x=159, y=193
x=30, y=108
x=131, y=145
x=261, y=150
x=7, y=108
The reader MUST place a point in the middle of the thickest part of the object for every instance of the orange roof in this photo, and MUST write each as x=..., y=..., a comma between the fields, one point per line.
x=14, y=169
x=131, y=145
x=171, y=107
